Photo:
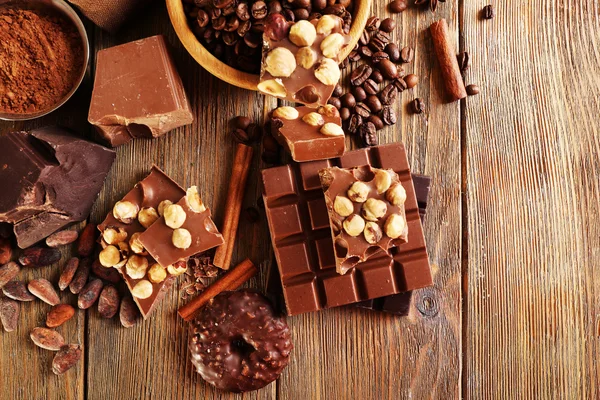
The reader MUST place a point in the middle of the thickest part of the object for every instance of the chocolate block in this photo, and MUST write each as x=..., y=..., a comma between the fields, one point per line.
x=148, y=193
x=366, y=212
x=159, y=240
x=300, y=60
x=309, y=134
x=301, y=236
x=46, y=183
x=137, y=92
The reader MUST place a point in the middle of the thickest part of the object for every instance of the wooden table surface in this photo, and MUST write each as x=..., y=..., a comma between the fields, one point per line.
x=513, y=229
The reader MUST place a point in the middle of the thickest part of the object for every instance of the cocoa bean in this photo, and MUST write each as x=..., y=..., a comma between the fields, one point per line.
x=59, y=314
x=129, y=313
x=9, y=313
x=5, y=250
x=39, y=257
x=66, y=358
x=68, y=273
x=8, y=271
x=89, y=294
x=87, y=240
x=47, y=338
x=81, y=276
x=17, y=290
x=43, y=290
x=61, y=238
x=108, y=274
x=108, y=305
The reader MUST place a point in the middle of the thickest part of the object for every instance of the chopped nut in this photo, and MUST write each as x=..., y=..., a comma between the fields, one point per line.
x=182, y=239
x=328, y=110
x=124, y=249
x=394, y=226
x=326, y=24
x=161, y=207
x=274, y=87
x=136, y=246
x=286, y=112
x=383, y=180
x=331, y=129
x=125, y=211
x=354, y=225
x=136, y=266
x=303, y=33
x=358, y=192
x=174, y=216
x=114, y=235
x=372, y=233
x=157, y=273
x=280, y=62
x=178, y=268
x=332, y=45
x=396, y=194
x=142, y=290
x=306, y=57
x=328, y=72
x=193, y=200
x=343, y=206
x=147, y=216
x=313, y=119
x=373, y=209
x=110, y=256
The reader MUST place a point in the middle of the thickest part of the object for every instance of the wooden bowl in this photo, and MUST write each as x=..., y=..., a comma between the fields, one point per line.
x=362, y=9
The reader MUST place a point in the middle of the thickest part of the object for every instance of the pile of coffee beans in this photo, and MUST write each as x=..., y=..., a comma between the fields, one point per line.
x=232, y=29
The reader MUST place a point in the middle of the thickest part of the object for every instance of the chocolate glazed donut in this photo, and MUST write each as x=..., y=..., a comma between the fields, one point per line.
x=238, y=344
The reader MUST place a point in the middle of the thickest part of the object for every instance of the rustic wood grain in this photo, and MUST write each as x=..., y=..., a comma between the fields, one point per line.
x=532, y=191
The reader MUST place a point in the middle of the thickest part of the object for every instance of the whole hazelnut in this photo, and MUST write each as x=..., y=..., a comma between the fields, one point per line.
x=332, y=45
x=358, y=192
x=125, y=211
x=372, y=233
x=373, y=209
x=313, y=119
x=182, y=239
x=174, y=216
x=394, y=226
x=162, y=205
x=136, y=266
x=114, y=235
x=303, y=33
x=178, y=268
x=193, y=200
x=280, y=62
x=328, y=110
x=396, y=194
x=354, y=225
x=147, y=216
x=326, y=24
x=157, y=273
x=306, y=57
x=109, y=256
x=274, y=87
x=331, y=129
x=142, y=290
x=135, y=245
x=276, y=27
x=343, y=206
x=328, y=72
x=383, y=180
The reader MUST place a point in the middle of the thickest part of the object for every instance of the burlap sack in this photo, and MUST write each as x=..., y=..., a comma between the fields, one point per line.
x=108, y=14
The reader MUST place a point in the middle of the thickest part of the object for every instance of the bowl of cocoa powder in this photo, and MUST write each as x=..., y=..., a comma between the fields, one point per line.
x=44, y=52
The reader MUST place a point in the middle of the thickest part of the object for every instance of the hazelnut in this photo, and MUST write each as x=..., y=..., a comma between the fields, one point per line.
x=114, y=235
x=306, y=57
x=147, y=216
x=280, y=62
x=328, y=110
x=178, y=268
x=136, y=246
x=303, y=33
x=142, y=290
x=358, y=192
x=136, y=266
x=174, y=216
x=343, y=206
x=161, y=207
x=123, y=249
x=332, y=45
x=109, y=256
x=326, y=24
x=383, y=180
x=313, y=119
x=157, y=273
x=276, y=27
x=331, y=129
x=125, y=211
x=373, y=209
x=354, y=225
x=394, y=226
x=274, y=87
x=396, y=194
x=285, y=112
x=328, y=72
x=182, y=239
x=372, y=233
x=193, y=200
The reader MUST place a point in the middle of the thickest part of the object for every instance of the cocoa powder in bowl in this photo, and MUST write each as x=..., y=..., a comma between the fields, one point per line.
x=41, y=59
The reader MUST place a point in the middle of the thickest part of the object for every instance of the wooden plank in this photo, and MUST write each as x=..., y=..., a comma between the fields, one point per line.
x=532, y=162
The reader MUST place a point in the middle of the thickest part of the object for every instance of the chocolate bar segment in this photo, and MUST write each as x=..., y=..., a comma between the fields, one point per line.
x=46, y=183
x=137, y=92
x=301, y=236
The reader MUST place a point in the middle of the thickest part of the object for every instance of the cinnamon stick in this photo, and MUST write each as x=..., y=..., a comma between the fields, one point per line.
x=233, y=205
x=232, y=280
x=447, y=59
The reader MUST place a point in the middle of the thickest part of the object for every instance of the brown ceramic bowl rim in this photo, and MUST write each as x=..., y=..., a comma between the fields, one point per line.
x=229, y=74
x=67, y=11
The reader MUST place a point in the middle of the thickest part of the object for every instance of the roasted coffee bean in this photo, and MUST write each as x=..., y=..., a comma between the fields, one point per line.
x=433, y=5
x=488, y=12
x=376, y=76
x=89, y=294
x=67, y=357
x=334, y=101
x=417, y=106
x=335, y=9
x=337, y=91
x=365, y=52
x=301, y=14
x=400, y=84
x=389, y=94
x=259, y=10
x=59, y=314
x=392, y=50
x=8, y=271
x=203, y=19
x=388, y=25
x=289, y=15
x=364, y=39
x=17, y=290
x=472, y=90
x=354, y=56
x=219, y=23
x=373, y=103
x=214, y=13
x=398, y=6
x=388, y=115
x=81, y=275
x=319, y=4
x=301, y=3
x=9, y=313
x=252, y=40
x=233, y=24
x=229, y=10
x=360, y=75
x=241, y=122
x=87, y=240
x=68, y=273
x=372, y=24
x=376, y=44
x=348, y=100
x=222, y=3
x=230, y=38
x=43, y=290
x=464, y=61
x=241, y=10
x=274, y=7
x=363, y=110
x=6, y=250
x=344, y=113
x=254, y=132
x=411, y=80
x=375, y=120
x=355, y=122
x=47, y=338
x=129, y=314
x=269, y=155
x=407, y=54
x=380, y=55
x=388, y=69
x=368, y=134
x=240, y=136
x=359, y=93
x=108, y=303
x=370, y=87
x=39, y=257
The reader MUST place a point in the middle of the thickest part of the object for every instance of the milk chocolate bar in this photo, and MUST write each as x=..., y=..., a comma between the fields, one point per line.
x=46, y=183
x=309, y=134
x=301, y=236
x=137, y=92
x=366, y=212
x=300, y=60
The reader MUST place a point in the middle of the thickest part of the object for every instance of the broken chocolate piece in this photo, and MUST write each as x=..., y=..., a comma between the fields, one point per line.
x=138, y=92
x=46, y=182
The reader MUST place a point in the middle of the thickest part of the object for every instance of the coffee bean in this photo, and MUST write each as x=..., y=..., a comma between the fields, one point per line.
x=372, y=24
x=397, y=6
x=233, y=24
x=354, y=56
x=417, y=106
x=359, y=93
x=400, y=84
x=355, y=122
x=274, y=7
x=348, y=100
x=373, y=103
x=376, y=76
x=363, y=110
x=388, y=115
x=377, y=44
x=464, y=61
x=219, y=23
x=472, y=90
x=319, y=4
x=259, y=9
x=289, y=15
x=388, y=69
x=407, y=54
x=203, y=19
x=392, y=50
x=368, y=133
x=360, y=75
x=240, y=136
x=344, y=113
x=380, y=55
x=241, y=122
x=370, y=87
x=337, y=91
x=411, y=80
x=365, y=52
x=389, y=94
x=387, y=25
x=364, y=38
x=334, y=101
x=375, y=120
x=344, y=63
x=488, y=12
x=301, y=14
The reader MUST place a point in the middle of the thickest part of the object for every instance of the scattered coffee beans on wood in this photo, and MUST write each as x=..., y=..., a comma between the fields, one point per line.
x=488, y=12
